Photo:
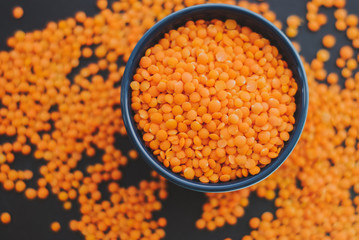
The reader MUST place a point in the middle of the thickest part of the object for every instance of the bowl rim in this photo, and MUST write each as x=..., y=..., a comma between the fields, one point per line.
x=146, y=153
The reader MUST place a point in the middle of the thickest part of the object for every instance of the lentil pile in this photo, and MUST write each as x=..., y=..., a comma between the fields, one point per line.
x=61, y=120
x=215, y=100
x=315, y=191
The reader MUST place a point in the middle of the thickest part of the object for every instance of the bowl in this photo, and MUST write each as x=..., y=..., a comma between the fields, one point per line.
x=245, y=18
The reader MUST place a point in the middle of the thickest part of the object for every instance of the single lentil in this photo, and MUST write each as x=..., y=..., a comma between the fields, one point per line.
x=17, y=12
x=55, y=226
x=5, y=218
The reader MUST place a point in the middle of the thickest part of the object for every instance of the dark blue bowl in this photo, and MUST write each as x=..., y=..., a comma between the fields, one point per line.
x=244, y=18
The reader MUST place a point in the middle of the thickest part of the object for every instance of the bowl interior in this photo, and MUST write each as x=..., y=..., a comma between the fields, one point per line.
x=244, y=18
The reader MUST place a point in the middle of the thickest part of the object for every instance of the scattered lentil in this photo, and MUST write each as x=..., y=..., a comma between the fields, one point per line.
x=5, y=218
x=324, y=162
x=133, y=154
x=58, y=120
x=293, y=23
x=316, y=180
x=328, y=41
x=17, y=12
x=55, y=226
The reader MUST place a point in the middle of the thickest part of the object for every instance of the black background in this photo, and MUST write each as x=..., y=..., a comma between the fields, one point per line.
x=31, y=219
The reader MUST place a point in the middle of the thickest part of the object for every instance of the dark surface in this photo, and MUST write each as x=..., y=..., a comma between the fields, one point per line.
x=31, y=219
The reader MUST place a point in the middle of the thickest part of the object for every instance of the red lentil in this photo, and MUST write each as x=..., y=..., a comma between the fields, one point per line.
x=133, y=154
x=86, y=119
x=5, y=218
x=328, y=41
x=55, y=226
x=223, y=141
x=324, y=162
x=17, y=12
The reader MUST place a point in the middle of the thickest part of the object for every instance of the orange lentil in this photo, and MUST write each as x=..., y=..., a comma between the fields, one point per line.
x=80, y=16
x=322, y=19
x=87, y=52
x=30, y=193
x=67, y=205
x=340, y=62
x=17, y=12
x=5, y=218
x=340, y=13
x=352, y=33
x=42, y=193
x=352, y=20
x=55, y=226
x=323, y=163
x=332, y=78
x=199, y=119
x=323, y=55
x=346, y=72
x=328, y=41
x=313, y=26
x=133, y=154
x=340, y=25
x=346, y=52
x=320, y=118
x=8, y=185
x=102, y=4
x=352, y=64
x=20, y=186
x=294, y=21
x=63, y=119
x=26, y=150
x=291, y=32
x=254, y=223
x=201, y=224
x=188, y=173
x=339, y=3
